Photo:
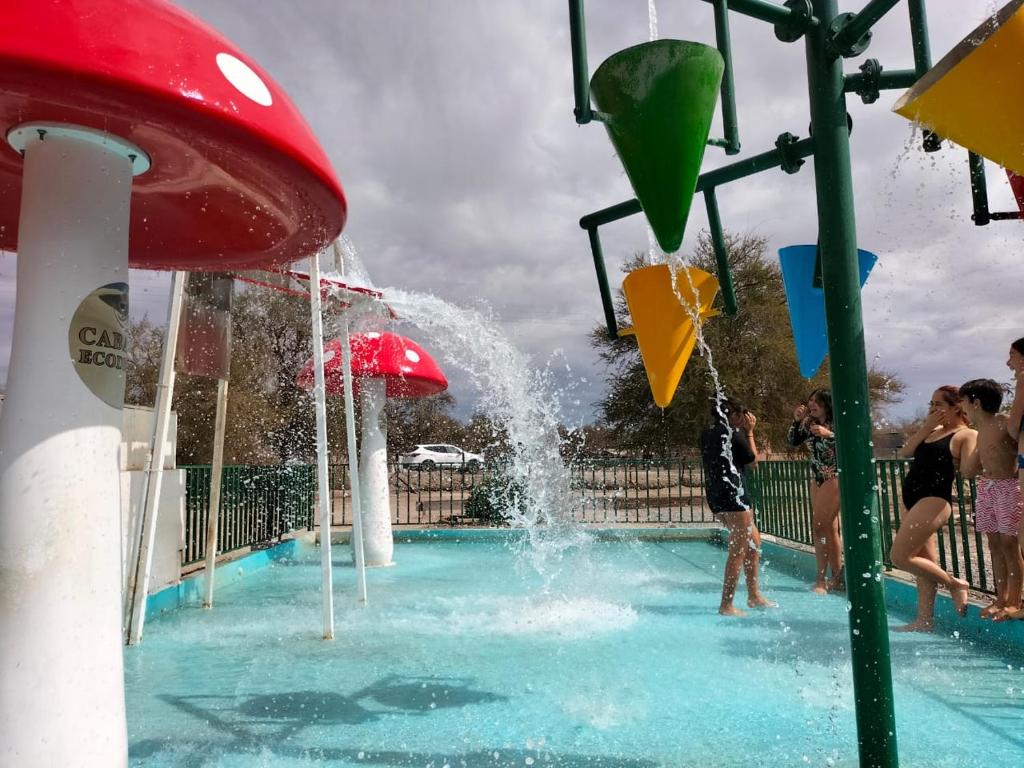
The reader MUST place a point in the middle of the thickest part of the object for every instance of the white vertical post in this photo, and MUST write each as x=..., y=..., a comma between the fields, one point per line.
x=154, y=471
x=323, y=482
x=216, y=473
x=353, y=461
x=350, y=430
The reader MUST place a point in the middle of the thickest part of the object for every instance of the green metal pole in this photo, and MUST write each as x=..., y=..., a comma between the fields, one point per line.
x=765, y=11
x=602, y=283
x=729, y=122
x=979, y=189
x=860, y=24
x=919, y=36
x=580, y=73
x=721, y=252
x=869, y=636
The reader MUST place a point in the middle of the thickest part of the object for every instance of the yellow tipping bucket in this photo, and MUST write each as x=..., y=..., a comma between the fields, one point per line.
x=972, y=96
x=663, y=316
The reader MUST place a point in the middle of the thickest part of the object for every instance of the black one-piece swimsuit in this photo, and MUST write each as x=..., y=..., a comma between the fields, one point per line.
x=932, y=472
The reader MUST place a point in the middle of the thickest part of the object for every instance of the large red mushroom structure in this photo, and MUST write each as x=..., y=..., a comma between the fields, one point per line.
x=135, y=135
x=384, y=365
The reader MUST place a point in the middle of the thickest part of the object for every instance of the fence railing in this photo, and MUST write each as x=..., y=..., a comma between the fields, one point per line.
x=261, y=503
x=257, y=504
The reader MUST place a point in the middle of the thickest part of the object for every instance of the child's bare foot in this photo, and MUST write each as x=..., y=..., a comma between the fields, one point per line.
x=819, y=588
x=760, y=601
x=959, y=592
x=1006, y=613
x=918, y=625
x=1017, y=615
x=837, y=585
x=731, y=610
x=991, y=610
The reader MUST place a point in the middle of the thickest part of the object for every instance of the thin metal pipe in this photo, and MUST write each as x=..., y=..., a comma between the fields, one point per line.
x=896, y=79
x=730, y=123
x=919, y=36
x=979, y=189
x=139, y=583
x=602, y=282
x=715, y=178
x=861, y=23
x=322, y=471
x=216, y=473
x=770, y=12
x=721, y=252
x=580, y=71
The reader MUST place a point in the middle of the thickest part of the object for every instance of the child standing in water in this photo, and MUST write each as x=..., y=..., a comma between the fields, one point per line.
x=727, y=447
x=812, y=424
x=939, y=448
x=998, y=503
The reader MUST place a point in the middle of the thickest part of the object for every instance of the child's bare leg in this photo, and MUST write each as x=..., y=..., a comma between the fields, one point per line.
x=912, y=550
x=821, y=524
x=997, y=556
x=1014, y=572
x=737, y=524
x=755, y=598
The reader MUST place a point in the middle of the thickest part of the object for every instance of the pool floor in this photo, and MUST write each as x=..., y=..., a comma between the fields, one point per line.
x=466, y=657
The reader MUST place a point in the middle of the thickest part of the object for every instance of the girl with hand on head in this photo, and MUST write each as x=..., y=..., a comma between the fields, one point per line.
x=812, y=424
x=939, y=447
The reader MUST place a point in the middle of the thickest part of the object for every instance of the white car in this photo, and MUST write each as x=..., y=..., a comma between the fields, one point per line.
x=428, y=457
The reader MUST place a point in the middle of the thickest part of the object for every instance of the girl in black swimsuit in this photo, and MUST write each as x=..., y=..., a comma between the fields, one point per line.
x=937, y=448
x=813, y=425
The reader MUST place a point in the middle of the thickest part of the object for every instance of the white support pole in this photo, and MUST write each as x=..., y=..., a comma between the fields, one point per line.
x=216, y=473
x=353, y=462
x=61, y=641
x=323, y=482
x=378, y=541
x=142, y=561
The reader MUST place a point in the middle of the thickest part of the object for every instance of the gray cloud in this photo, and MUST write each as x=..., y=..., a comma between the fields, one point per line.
x=450, y=125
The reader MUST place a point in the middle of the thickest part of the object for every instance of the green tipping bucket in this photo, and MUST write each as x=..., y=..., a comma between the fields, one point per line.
x=659, y=98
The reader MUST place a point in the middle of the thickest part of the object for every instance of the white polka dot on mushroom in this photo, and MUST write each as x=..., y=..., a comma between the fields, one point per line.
x=373, y=335
x=412, y=356
x=328, y=356
x=245, y=81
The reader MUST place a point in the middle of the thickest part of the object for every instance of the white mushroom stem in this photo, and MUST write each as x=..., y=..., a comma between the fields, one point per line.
x=61, y=677
x=378, y=543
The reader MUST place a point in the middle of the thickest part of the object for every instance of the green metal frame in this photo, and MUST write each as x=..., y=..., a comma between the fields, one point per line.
x=981, y=214
x=829, y=37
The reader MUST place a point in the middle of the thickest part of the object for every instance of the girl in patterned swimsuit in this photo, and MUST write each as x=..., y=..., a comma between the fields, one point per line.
x=812, y=424
x=942, y=444
x=1015, y=427
x=997, y=507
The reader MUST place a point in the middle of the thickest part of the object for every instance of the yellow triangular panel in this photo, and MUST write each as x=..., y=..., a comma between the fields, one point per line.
x=972, y=96
x=663, y=326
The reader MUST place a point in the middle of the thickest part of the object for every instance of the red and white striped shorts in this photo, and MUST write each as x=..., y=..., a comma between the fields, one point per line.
x=997, y=508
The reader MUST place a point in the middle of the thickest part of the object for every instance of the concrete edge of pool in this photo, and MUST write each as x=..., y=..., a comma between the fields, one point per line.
x=900, y=593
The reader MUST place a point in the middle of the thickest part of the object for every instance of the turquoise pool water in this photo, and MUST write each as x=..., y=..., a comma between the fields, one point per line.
x=465, y=658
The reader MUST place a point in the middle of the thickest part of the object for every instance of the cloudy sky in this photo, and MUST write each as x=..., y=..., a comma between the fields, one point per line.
x=450, y=125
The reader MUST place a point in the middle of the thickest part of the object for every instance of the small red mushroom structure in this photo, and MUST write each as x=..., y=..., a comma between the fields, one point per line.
x=135, y=135
x=384, y=365
x=1017, y=185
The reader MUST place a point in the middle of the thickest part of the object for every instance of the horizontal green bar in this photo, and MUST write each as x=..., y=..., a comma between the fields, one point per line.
x=897, y=79
x=862, y=23
x=770, y=12
x=762, y=162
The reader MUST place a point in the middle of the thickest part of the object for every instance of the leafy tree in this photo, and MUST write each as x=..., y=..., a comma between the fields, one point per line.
x=752, y=352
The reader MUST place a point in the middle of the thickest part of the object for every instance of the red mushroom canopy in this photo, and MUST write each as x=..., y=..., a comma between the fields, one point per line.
x=237, y=177
x=408, y=370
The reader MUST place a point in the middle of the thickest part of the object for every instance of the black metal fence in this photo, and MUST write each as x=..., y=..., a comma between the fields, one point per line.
x=257, y=504
x=262, y=503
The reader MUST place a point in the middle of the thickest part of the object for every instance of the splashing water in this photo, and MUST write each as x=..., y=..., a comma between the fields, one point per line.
x=676, y=265
x=522, y=401
x=652, y=20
